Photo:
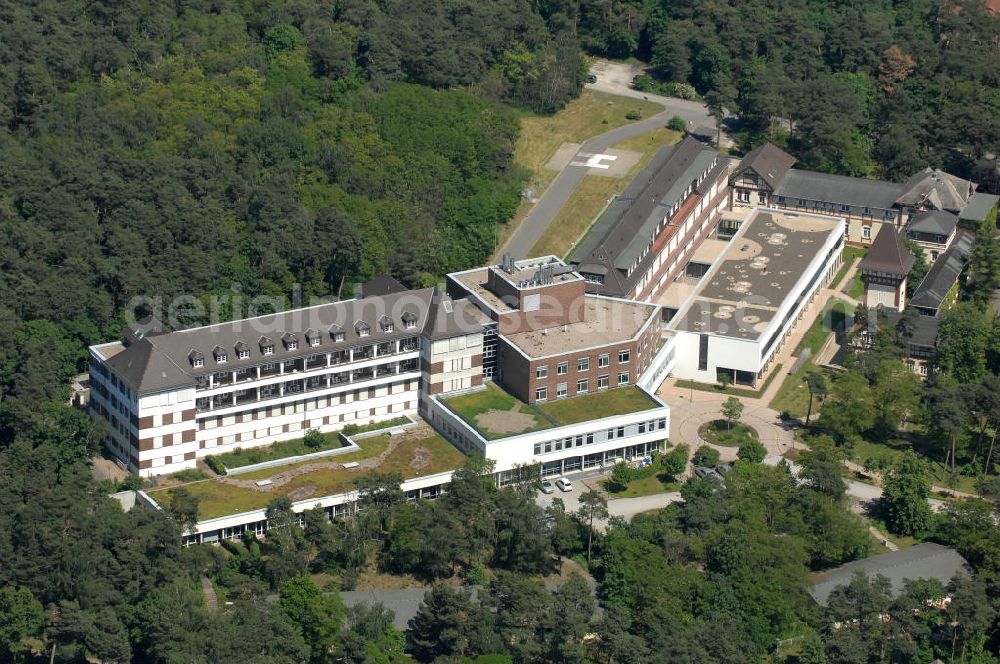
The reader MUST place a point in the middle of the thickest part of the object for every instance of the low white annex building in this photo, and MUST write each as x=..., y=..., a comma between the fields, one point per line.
x=742, y=310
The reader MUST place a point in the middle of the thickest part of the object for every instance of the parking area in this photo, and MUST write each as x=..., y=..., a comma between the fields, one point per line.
x=625, y=508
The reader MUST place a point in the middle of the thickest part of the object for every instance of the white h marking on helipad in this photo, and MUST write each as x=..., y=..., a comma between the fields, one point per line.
x=594, y=160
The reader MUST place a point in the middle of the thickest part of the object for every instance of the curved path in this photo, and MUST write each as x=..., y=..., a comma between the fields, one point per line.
x=686, y=417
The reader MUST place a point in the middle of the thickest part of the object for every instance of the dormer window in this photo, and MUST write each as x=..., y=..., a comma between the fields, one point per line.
x=266, y=346
x=242, y=350
x=336, y=333
x=386, y=324
x=409, y=320
x=312, y=337
x=197, y=359
x=220, y=355
x=362, y=328
x=290, y=341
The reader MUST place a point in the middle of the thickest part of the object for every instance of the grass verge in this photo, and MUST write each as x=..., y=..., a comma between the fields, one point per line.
x=732, y=391
x=590, y=114
x=646, y=486
x=572, y=222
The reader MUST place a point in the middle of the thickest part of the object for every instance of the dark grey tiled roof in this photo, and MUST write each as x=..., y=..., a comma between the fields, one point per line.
x=628, y=225
x=449, y=318
x=934, y=222
x=934, y=189
x=931, y=292
x=921, y=561
x=384, y=284
x=925, y=328
x=887, y=254
x=979, y=206
x=858, y=193
x=768, y=161
x=161, y=362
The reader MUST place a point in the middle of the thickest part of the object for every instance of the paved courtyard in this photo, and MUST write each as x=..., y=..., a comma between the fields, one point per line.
x=689, y=409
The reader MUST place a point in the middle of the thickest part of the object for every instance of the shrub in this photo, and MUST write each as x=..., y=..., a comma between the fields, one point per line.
x=684, y=91
x=675, y=461
x=190, y=475
x=753, y=452
x=215, y=464
x=677, y=124
x=706, y=456
x=989, y=486
x=643, y=83
x=633, y=115
x=621, y=475
x=313, y=439
x=132, y=483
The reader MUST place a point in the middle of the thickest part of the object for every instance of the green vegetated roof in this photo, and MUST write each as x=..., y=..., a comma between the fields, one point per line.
x=496, y=414
x=220, y=498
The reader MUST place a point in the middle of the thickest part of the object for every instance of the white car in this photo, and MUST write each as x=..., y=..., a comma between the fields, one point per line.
x=547, y=487
x=564, y=484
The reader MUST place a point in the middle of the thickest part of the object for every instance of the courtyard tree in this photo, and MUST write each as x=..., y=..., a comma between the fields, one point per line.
x=947, y=414
x=593, y=506
x=706, y=455
x=752, y=451
x=816, y=384
x=849, y=410
x=896, y=395
x=904, y=498
x=732, y=411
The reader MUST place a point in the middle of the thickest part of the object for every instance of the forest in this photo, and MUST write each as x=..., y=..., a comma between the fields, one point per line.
x=877, y=88
x=206, y=147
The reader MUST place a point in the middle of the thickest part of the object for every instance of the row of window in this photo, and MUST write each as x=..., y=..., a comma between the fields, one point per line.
x=582, y=386
x=313, y=338
x=580, y=440
x=583, y=364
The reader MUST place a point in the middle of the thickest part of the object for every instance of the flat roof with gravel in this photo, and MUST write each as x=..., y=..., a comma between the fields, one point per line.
x=740, y=295
x=605, y=321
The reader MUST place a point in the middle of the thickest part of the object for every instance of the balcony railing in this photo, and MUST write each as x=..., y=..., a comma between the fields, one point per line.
x=302, y=384
x=310, y=363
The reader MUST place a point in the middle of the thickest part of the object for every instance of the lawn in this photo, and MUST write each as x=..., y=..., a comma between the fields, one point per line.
x=850, y=254
x=597, y=405
x=570, y=225
x=588, y=115
x=835, y=313
x=289, y=448
x=473, y=404
x=856, y=289
x=219, y=499
x=647, y=486
x=719, y=432
x=793, y=395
